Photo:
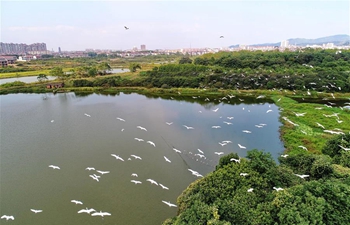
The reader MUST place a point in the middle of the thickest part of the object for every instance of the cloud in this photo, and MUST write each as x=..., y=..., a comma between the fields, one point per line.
x=43, y=28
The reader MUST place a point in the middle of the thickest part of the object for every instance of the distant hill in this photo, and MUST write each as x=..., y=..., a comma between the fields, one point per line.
x=341, y=39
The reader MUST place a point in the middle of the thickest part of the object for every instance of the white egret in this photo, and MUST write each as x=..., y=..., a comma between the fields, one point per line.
x=77, y=202
x=346, y=149
x=303, y=147
x=7, y=217
x=278, y=189
x=36, y=210
x=216, y=127
x=241, y=146
x=301, y=176
x=134, y=175
x=226, y=142
x=250, y=189
x=200, y=151
x=136, y=182
x=259, y=126
x=87, y=115
x=169, y=204
x=230, y=117
x=118, y=118
x=88, y=211
x=169, y=123
x=95, y=177
x=151, y=143
x=152, y=181
x=176, y=150
x=320, y=125
x=243, y=174
x=136, y=157
x=228, y=123
x=166, y=159
x=200, y=155
x=219, y=153
x=54, y=167
x=52, y=121
x=222, y=143
x=246, y=131
x=164, y=187
x=236, y=160
x=188, y=128
x=117, y=157
x=90, y=168
x=284, y=156
x=142, y=128
x=101, y=214
x=215, y=110
x=102, y=172
x=270, y=110
x=138, y=139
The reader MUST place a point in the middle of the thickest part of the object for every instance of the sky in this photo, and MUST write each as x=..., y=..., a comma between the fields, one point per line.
x=79, y=25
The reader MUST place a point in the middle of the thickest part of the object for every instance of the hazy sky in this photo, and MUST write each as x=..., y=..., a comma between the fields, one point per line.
x=78, y=25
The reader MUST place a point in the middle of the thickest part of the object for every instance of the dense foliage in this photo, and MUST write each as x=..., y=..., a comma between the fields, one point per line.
x=222, y=197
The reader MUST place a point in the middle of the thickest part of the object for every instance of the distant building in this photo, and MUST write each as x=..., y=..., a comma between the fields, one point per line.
x=285, y=44
x=143, y=47
x=11, y=48
x=59, y=50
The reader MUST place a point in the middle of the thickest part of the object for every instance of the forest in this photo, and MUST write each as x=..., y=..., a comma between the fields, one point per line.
x=301, y=189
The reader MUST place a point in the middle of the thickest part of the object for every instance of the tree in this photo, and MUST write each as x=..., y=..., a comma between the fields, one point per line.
x=103, y=67
x=185, y=60
x=42, y=77
x=134, y=66
x=57, y=72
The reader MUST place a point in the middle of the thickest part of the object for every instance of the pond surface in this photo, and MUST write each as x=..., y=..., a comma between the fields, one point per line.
x=30, y=79
x=75, y=132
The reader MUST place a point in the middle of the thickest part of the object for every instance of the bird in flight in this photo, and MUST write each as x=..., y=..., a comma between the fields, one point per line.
x=151, y=143
x=138, y=139
x=136, y=157
x=188, y=128
x=118, y=118
x=54, y=167
x=221, y=36
x=166, y=159
x=90, y=168
x=142, y=128
x=126, y=28
x=152, y=181
x=241, y=146
x=102, y=172
x=346, y=149
x=117, y=157
x=218, y=153
x=169, y=123
x=164, y=187
x=77, y=202
x=301, y=176
x=36, y=210
x=236, y=160
x=243, y=174
x=7, y=217
x=136, y=182
x=101, y=214
x=278, y=189
x=250, y=189
x=176, y=150
x=88, y=211
x=169, y=204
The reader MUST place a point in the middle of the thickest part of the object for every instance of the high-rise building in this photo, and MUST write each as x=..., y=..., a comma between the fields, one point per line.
x=11, y=48
x=59, y=50
x=285, y=44
x=143, y=47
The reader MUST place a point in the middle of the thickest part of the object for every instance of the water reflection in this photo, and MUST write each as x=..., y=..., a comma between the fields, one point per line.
x=36, y=133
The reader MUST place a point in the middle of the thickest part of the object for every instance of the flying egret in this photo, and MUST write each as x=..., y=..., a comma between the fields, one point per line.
x=299, y=114
x=90, y=168
x=278, y=189
x=87, y=115
x=228, y=123
x=200, y=155
x=270, y=110
x=230, y=117
x=226, y=142
x=77, y=202
x=117, y=157
x=152, y=181
x=169, y=204
x=215, y=110
x=95, y=177
x=52, y=121
x=7, y=217
x=320, y=125
x=136, y=157
x=151, y=143
x=142, y=128
x=301, y=176
x=246, y=131
x=188, y=128
x=54, y=167
x=303, y=147
x=200, y=151
x=164, y=187
x=169, y=123
x=138, y=139
x=102, y=172
x=222, y=143
x=136, y=182
x=241, y=146
x=346, y=149
x=88, y=211
x=216, y=127
x=236, y=160
x=101, y=214
x=36, y=210
x=284, y=156
x=219, y=153
x=118, y=118
x=166, y=159
x=243, y=174
x=250, y=189
x=134, y=175
x=176, y=150
x=259, y=126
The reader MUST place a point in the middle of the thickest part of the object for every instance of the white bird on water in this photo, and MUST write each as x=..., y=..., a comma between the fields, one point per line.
x=52, y=121
x=77, y=202
x=7, y=217
x=152, y=181
x=88, y=211
x=136, y=157
x=101, y=214
x=54, y=167
x=136, y=182
x=142, y=128
x=188, y=128
x=164, y=187
x=166, y=159
x=228, y=123
x=278, y=189
x=241, y=146
x=36, y=210
x=117, y=157
x=169, y=204
x=151, y=143
x=270, y=110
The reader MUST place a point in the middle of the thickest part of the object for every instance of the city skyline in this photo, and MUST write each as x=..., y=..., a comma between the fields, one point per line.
x=80, y=25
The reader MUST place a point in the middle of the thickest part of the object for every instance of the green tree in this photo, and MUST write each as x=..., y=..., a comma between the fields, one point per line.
x=103, y=67
x=42, y=77
x=134, y=66
x=58, y=72
x=185, y=60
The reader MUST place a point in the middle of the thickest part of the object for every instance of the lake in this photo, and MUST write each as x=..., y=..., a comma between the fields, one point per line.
x=29, y=79
x=75, y=132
